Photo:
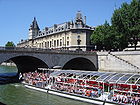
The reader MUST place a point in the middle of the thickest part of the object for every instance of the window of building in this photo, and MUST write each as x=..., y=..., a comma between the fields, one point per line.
x=67, y=43
x=54, y=43
x=48, y=43
x=60, y=42
x=57, y=42
x=42, y=45
x=67, y=38
x=63, y=40
x=59, y=29
x=62, y=28
x=45, y=44
x=78, y=37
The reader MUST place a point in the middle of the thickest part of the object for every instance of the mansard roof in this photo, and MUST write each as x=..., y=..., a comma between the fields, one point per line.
x=78, y=23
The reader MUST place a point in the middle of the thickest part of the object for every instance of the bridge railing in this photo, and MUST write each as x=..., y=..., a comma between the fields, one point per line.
x=43, y=50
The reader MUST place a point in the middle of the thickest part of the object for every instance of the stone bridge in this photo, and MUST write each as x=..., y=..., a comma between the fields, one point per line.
x=30, y=59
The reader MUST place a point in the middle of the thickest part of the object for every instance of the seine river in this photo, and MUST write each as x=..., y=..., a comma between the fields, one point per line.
x=17, y=94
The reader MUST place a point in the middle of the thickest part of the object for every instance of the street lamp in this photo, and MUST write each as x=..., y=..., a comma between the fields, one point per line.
x=95, y=47
x=78, y=42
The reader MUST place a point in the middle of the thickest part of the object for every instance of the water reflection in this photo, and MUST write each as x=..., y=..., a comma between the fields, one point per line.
x=8, y=75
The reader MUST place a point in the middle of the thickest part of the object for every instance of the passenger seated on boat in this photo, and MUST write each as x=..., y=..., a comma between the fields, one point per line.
x=119, y=99
x=137, y=98
x=129, y=98
x=124, y=99
x=114, y=98
x=88, y=93
x=96, y=93
x=133, y=102
x=92, y=93
x=99, y=92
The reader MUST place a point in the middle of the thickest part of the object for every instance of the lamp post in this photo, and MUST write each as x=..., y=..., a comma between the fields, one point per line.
x=95, y=47
x=78, y=42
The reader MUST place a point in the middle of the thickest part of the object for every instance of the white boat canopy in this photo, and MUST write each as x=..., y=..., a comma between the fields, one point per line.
x=106, y=77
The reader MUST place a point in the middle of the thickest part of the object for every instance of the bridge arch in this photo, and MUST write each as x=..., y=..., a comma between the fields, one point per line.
x=26, y=63
x=80, y=63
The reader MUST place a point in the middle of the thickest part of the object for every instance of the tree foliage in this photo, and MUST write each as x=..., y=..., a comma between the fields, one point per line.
x=126, y=20
x=9, y=44
x=125, y=28
x=101, y=35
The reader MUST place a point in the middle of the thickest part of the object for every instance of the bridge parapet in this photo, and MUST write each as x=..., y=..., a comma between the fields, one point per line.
x=41, y=50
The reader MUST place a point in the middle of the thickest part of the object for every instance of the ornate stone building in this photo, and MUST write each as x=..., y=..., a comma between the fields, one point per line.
x=71, y=35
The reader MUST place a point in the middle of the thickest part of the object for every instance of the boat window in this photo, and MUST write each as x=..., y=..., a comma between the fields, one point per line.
x=82, y=76
x=70, y=75
x=133, y=79
x=101, y=78
x=109, y=77
x=125, y=78
x=138, y=82
x=115, y=78
x=88, y=76
x=96, y=76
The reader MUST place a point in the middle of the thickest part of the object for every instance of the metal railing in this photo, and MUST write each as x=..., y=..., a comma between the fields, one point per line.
x=43, y=50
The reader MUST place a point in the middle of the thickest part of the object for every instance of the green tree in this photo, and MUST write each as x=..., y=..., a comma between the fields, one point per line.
x=126, y=22
x=9, y=44
x=125, y=28
x=104, y=37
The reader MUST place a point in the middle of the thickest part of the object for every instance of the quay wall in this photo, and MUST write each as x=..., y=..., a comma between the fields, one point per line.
x=8, y=64
x=125, y=61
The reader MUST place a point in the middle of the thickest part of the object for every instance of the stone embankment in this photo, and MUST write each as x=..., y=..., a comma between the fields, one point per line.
x=8, y=64
x=125, y=61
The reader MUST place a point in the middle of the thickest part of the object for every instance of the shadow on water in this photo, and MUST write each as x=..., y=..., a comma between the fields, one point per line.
x=7, y=78
x=2, y=103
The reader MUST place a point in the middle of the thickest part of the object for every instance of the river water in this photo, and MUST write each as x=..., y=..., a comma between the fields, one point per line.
x=17, y=94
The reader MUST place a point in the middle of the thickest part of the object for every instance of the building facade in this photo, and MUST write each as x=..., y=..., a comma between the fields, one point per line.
x=71, y=35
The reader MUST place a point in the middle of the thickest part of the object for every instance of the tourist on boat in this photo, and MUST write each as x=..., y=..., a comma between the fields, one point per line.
x=92, y=93
x=114, y=98
x=88, y=93
x=133, y=102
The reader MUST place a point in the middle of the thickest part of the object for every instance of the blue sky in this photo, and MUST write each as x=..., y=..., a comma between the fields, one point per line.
x=17, y=15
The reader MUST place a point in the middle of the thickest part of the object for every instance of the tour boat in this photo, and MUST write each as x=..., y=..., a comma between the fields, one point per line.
x=72, y=84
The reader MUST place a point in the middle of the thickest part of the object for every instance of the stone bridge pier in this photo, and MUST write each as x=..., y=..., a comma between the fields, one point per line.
x=31, y=59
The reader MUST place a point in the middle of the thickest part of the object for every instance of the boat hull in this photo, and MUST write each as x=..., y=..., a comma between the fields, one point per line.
x=73, y=96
